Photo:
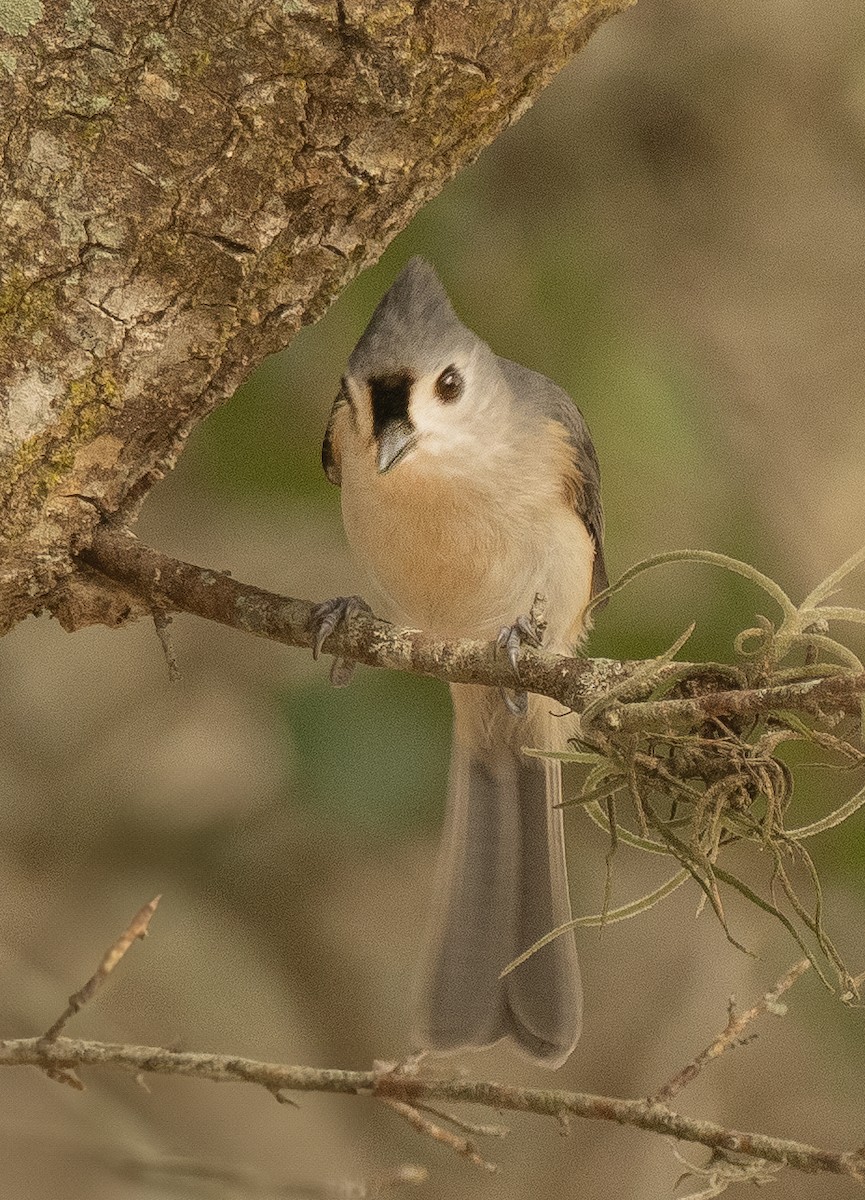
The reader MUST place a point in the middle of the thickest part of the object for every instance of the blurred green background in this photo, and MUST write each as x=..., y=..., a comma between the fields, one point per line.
x=674, y=233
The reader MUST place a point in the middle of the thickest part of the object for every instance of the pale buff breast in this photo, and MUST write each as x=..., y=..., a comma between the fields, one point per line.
x=461, y=553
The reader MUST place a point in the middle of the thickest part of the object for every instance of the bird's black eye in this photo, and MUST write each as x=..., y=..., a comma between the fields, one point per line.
x=449, y=385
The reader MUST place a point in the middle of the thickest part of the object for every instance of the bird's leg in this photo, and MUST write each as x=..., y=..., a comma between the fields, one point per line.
x=325, y=619
x=528, y=629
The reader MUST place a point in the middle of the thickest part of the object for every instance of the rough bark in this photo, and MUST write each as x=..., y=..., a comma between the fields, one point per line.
x=185, y=184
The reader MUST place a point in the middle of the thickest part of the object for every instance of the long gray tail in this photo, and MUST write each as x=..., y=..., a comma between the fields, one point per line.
x=502, y=884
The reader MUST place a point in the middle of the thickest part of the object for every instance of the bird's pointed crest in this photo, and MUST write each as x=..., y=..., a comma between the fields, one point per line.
x=413, y=328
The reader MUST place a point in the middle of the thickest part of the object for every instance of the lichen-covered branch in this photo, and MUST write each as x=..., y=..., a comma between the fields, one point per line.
x=184, y=183
x=830, y=694
x=68, y=1054
x=165, y=584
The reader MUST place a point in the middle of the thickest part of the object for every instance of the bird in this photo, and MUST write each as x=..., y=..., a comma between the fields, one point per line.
x=470, y=486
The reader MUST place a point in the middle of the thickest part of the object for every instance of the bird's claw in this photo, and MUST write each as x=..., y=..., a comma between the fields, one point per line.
x=331, y=613
x=526, y=629
x=326, y=617
x=517, y=703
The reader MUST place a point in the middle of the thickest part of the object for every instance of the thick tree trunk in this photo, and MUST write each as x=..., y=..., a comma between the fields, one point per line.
x=185, y=184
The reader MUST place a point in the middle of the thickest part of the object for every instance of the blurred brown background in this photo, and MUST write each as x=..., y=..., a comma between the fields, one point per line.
x=675, y=234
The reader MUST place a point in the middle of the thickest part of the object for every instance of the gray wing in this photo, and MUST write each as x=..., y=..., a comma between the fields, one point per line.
x=557, y=405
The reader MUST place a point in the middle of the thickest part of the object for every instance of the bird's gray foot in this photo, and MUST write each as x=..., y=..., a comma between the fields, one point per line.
x=326, y=617
x=526, y=630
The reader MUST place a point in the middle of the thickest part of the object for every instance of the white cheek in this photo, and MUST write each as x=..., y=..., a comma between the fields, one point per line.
x=446, y=429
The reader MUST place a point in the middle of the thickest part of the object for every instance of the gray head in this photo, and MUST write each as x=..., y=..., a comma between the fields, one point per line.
x=418, y=377
x=413, y=326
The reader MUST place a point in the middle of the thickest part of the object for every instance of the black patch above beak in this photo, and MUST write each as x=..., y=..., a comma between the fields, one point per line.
x=391, y=427
x=389, y=396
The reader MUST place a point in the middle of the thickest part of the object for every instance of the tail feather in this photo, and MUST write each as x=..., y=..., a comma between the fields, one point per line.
x=544, y=994
x=502, y=885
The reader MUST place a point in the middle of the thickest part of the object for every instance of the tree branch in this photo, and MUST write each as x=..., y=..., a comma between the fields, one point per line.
x=65, y=1054
x=166, y=584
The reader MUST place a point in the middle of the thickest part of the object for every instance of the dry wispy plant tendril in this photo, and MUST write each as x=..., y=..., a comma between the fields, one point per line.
x=677, y=780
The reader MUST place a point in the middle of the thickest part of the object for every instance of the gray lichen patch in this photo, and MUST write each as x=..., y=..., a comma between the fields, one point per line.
x=79, y=17
x=16, y=16
x=47, y=153
x=136, y=300
x=30, y=401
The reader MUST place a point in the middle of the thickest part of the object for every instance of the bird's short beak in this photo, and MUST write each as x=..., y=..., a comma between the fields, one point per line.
x=394, y=442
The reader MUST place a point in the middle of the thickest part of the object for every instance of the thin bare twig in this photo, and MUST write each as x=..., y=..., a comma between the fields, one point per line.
x=731, y=1034
x=137, y=928
x=446, y=1137
x=162, y=625
x=471, y=1127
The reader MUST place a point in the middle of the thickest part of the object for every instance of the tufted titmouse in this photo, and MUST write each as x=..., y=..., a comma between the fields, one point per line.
x=469, y=484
